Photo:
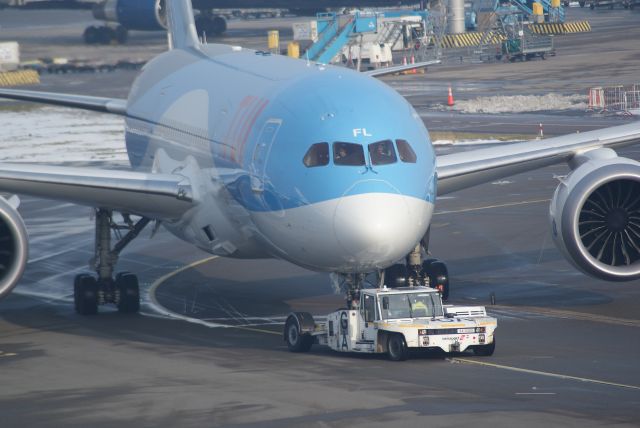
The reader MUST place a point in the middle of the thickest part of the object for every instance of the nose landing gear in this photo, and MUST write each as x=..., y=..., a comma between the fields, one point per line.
x=419, y=272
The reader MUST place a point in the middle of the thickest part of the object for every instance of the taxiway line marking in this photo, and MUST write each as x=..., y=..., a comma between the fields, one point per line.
x=536, y=393
x=157, y=307
x=547, y=374
x=488, y=207
x=628, y=322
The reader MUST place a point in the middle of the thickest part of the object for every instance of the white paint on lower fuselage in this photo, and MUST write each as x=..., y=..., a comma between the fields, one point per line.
x=355, y=233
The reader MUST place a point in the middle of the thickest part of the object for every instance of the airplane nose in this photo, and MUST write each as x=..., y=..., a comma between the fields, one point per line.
x=374, y=225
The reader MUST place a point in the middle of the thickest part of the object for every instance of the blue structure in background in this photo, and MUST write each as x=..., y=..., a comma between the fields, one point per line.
x=335, y=31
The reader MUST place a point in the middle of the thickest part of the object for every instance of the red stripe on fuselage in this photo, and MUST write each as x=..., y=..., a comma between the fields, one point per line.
x=249, y=126
x=236, y=125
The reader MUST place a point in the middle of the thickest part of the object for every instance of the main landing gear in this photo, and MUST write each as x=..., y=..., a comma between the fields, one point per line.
x=105, y=35
x=210, y=24
x=122, y=290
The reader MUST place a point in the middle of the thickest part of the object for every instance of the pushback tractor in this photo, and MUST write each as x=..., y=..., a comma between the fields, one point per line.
x=394, y=321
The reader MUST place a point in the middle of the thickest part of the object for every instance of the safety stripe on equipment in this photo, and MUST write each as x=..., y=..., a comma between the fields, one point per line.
x=471, y=39
x=16, y=78
x=561, y=28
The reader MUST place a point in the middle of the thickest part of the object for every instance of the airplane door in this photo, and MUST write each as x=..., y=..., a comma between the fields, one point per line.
x=261, y=153
x=367, y=319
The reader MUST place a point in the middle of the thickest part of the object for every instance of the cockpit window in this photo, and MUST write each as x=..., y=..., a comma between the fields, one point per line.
x=348, y=154
x=382, y=153
x=406, y=152
x=317, y=155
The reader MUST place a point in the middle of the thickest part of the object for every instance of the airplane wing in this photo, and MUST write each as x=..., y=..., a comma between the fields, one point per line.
x=157, y=196
x=105, y=105
x=466, y=169
x=399, y=68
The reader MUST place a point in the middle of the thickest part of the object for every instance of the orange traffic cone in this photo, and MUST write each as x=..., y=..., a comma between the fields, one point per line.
x=450, y=101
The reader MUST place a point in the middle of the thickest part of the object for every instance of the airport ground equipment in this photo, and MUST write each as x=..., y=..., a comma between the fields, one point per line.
x=335, y=33
x=606, y=4
x=394, y=321
x=561, y=28
x=524, y=45
x=19, y=77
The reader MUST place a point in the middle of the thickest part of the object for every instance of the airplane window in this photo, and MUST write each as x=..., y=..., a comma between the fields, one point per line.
x=348, y=154
x=406, y=152
x=382, y=153
x=317, y=155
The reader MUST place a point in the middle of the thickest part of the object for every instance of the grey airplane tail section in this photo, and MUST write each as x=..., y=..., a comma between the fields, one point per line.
x=182, y=27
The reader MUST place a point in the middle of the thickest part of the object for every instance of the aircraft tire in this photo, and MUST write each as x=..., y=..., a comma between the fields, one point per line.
x=90, y=35
x=129, y=293
x=105, y=35
x=438, y=276
x=217, y=26
x=122, y=34
x=395, y=276
x=85, y=294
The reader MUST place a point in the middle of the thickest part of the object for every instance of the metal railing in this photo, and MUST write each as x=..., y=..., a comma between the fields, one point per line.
x=615, y=99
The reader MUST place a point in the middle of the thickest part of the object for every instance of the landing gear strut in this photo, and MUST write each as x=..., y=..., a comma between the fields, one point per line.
x=419, y=271
x=88, y=291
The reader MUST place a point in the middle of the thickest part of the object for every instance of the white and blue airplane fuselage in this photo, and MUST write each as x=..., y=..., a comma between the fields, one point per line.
x=245, y=121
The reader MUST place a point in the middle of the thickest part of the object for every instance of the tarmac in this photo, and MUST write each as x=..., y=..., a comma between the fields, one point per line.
x=207, y=347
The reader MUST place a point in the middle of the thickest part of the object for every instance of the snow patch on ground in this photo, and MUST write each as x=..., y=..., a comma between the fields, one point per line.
x=54, y=134
x=522, y=103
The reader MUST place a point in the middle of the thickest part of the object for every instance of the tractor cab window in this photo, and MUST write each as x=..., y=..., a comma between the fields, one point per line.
x=405, y=151
x=382, y=153
x=411, y=305
x=348, y=154
x=317, y=155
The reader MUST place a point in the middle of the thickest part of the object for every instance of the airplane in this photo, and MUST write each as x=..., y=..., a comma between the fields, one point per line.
x=150, y=15
x=245, y=154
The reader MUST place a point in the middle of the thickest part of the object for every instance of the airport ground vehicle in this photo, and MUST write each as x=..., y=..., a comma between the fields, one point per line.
x=525, y=45
x=394, y=321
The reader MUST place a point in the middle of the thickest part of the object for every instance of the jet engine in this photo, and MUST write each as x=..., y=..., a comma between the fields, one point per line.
x=14, y=246
x=595, y=215
x=144, y=15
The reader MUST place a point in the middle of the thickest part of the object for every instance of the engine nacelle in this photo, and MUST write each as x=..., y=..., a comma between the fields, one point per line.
x=143, y=15
x=595, y=215
x=14, y=247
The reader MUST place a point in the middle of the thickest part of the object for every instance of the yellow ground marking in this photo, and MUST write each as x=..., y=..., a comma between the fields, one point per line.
x=488, y=207
x=547, y=374
x=162, y=310
x=7, y=354
x=572, y=315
